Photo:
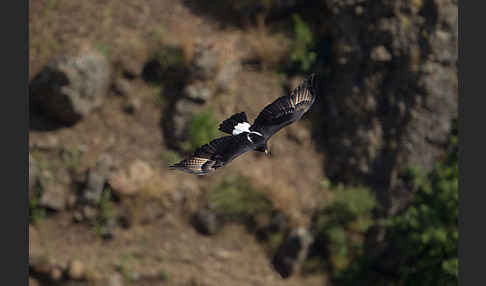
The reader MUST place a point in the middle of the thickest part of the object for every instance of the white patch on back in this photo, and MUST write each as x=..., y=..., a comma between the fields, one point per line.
x=241, y=127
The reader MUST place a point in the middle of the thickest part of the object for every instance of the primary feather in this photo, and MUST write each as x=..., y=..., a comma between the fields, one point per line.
x=286, y=109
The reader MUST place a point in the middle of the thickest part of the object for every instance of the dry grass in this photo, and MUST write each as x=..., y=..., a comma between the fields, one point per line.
x=127, y=31
x=285, y=199
x=268, y=48
x=182, y=37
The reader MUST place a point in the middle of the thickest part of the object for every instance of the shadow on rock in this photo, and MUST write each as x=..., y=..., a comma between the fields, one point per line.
x=67, y=89
x=389, y=97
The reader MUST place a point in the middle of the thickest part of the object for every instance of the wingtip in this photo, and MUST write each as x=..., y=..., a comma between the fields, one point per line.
x=311, y=82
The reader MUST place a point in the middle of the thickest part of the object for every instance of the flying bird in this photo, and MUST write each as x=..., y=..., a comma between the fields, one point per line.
x=244, y=136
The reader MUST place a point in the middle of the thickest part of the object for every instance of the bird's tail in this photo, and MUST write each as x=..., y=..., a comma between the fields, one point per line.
x=229, y=124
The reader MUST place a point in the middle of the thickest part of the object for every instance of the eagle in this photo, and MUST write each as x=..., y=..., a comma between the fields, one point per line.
x=245, y=136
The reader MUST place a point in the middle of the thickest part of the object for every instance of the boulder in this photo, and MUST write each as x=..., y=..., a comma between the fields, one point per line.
x=76, y=270
x=205, y=63
x=130, y=181
x=292, y=252
x=225, y=78
x=176, y=120
x=55, y=189
x=122, y=87
x=53, y=197
x=71, y=86
x=115, y=280
x=198, y=91
x=380, y=54
x=207, y=222
x=97, y=178
x=41, y=265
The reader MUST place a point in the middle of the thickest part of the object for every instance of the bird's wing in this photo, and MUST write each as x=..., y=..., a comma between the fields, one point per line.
x=286, y=109
x=215, y=154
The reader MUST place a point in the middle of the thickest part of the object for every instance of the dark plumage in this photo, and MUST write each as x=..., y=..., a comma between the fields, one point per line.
x=245, y=137
x=229, y=124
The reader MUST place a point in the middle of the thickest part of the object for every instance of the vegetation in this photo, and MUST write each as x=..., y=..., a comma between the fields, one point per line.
x=103, y=49
x=168, y=66
x=423, y=239
x=36, y=212
x=71, y=158
x=170, y=57
x=170, y=157
x=123, y=266
x=341, y=226
x=105, y=212
x=287, y=38
x=301, y=52
x=235, y=199
x=202, y=128
x=269, y=48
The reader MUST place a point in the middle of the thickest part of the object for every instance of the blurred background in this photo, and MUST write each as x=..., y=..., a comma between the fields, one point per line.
x=361, y=191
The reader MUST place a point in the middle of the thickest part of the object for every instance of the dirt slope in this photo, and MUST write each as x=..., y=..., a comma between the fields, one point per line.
x=165, y=249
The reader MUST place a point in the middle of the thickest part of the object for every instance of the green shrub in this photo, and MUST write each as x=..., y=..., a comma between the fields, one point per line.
x=106, y=212
x=36, y=212
x=170, y=157
x=235, y=199
x=167, y=67
x=426, y=234
x=170, y=57
x=341, y=226
x=202, y=128
x=105, y=206
x=71, y=158
x=301, y=51
x=423, y=239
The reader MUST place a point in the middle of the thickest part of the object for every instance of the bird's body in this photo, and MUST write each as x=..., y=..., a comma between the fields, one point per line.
x=244, y=136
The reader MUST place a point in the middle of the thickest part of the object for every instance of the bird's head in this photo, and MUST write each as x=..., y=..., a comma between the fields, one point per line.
x=264, y=149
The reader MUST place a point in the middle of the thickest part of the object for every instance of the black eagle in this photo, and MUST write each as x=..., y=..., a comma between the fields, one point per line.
x=245, y=137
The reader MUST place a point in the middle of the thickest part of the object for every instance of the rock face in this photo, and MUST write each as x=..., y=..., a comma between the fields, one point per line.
x=292, y=252
x=71, y=86
x=389, y=91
